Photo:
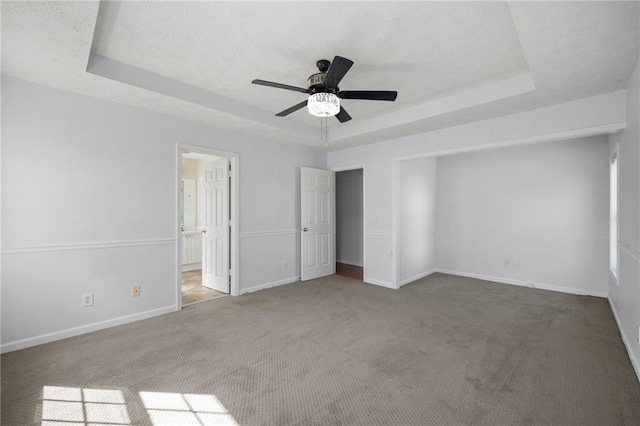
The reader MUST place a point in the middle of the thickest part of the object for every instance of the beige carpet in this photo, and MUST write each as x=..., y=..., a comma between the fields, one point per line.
x=444, y=350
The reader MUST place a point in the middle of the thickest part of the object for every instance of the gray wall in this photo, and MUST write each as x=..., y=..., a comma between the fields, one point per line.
x=417, y=224
x=544, y=205
x=90, y=205
x=576, y=118
x=624, y=293
x=349, y=223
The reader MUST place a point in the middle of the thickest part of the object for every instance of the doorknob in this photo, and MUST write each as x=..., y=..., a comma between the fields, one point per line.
x=305, y=229
x=204, y=231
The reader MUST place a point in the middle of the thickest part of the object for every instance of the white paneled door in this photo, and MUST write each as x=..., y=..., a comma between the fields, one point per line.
x=215, y=235
x=318, y=223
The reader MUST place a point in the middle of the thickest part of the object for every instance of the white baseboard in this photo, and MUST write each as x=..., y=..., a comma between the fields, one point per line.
x=484, y=277
x=634, y=361
x=84, y=329
x=417, y=277
x=380, y=283
x=269, y=285
x=521, y=283
x=570, y=290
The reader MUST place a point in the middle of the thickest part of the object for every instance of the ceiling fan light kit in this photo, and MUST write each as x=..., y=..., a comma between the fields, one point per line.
x=324, y=93
x=323, y=104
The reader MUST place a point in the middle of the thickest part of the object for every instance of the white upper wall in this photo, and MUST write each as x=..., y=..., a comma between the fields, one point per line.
x=629, y=171
x=543, y=206
x=95, y=162
x=585, y=117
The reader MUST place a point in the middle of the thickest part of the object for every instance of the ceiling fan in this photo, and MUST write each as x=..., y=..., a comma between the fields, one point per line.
x=324, y=93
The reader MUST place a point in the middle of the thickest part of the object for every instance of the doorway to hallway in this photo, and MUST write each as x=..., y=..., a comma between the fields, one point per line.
x=349, y=186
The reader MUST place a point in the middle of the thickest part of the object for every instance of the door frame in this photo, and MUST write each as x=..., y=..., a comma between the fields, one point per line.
x=363, y=167
x=234, y=197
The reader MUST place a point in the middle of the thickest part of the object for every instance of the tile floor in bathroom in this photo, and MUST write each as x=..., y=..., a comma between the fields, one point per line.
x=193, y=290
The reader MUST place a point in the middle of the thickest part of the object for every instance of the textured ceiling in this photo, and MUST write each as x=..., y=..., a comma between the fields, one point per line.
x=427, y=51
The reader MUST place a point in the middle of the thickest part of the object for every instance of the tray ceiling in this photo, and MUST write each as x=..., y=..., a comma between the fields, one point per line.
x=450, y=62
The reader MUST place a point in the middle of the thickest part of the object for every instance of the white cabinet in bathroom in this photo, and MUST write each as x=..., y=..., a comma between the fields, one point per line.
x=191, y=250
x=195, y=249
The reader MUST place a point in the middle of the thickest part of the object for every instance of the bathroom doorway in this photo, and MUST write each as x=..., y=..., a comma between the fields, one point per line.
x=207, y=205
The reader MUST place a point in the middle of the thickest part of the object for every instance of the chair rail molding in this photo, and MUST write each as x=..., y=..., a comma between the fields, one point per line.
x=87, y=245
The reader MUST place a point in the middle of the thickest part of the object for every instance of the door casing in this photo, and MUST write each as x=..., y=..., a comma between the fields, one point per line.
x=234, y=196
x=362, y=167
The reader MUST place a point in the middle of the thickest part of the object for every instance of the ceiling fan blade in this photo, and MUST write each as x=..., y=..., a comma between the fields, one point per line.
x=343, y=115
x=371, y=95
x=292, y=109
x=280, y=86
x=337, y=71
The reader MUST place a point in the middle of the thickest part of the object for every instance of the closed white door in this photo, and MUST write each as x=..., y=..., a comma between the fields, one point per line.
x=318, y=223
x=215, y=234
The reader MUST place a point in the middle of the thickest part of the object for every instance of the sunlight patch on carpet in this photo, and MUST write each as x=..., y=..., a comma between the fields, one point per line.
x=185, y=409
x=76, y=406
x=69, y=406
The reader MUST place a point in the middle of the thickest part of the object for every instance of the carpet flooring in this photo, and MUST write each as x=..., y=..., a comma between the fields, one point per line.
x=444, y=350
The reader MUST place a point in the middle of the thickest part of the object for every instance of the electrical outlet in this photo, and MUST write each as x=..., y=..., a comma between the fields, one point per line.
x=135, y=291
x=284, y=264
x=87, y=300
x=507, y=263
x=515, y=264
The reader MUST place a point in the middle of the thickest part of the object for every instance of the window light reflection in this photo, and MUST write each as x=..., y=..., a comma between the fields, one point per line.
x=76, y=406
x=68, y=406
x=169, y=409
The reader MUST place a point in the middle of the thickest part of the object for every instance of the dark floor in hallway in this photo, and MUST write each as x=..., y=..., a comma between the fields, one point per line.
x=351, y=271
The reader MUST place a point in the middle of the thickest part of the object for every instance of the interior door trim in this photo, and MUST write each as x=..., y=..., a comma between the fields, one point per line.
x=234, y=217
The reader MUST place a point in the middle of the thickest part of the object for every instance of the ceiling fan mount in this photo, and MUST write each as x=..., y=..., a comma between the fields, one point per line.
x=323, y=65
x=324, y=93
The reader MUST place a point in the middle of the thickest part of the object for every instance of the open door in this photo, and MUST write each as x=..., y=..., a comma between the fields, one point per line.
x=318, y=223
x=215, y=235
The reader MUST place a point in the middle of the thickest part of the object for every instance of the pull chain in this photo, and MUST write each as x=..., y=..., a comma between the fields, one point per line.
x=323, y=131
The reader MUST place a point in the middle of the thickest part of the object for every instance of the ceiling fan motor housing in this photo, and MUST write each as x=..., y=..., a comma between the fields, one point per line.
x=315, y=83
